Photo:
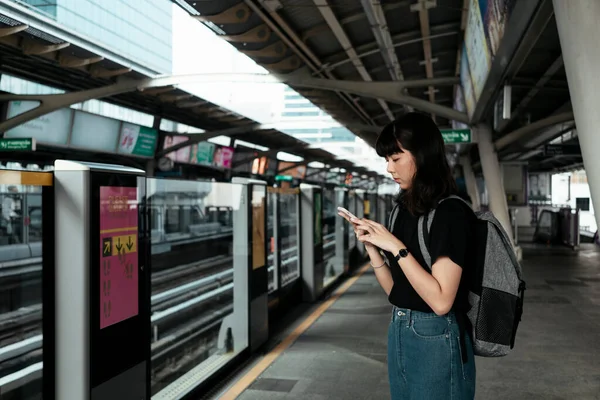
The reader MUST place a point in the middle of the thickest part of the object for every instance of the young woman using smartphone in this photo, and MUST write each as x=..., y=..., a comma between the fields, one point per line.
x=430, y=357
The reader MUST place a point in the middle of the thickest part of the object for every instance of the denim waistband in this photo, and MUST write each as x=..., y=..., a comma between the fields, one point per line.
x=400, y=314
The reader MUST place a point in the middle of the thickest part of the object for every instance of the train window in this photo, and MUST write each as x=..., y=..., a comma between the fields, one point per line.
x=154, y=218
x=197, y=216
x=172, y=220
x=225, y=217
x=35, y=224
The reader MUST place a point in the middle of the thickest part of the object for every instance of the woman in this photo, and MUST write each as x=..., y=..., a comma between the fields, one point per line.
x=425, y=357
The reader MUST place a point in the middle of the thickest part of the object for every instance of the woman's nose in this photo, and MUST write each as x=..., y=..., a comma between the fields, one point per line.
x=390, y=168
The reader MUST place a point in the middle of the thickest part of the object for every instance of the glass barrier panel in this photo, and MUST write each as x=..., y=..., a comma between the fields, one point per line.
x=288, y=230
x=272, y=257
x=352, y=209
x=372, y=198
x=332, y=267
x=21, y=303
x=192, y=274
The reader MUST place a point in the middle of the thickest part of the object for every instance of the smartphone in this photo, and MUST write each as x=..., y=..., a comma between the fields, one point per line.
x=348, y=213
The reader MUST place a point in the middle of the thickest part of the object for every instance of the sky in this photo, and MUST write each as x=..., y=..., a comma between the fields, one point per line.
x=196, y=49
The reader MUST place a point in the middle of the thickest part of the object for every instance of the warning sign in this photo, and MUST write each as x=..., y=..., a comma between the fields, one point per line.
x=119, y=255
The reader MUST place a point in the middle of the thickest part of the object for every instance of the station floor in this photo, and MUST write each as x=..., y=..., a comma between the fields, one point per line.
x=341, y=353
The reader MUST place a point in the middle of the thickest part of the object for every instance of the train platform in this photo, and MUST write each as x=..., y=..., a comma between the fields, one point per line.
x=337, y=349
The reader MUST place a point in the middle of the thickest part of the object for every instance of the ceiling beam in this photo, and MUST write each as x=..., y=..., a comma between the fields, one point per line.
x=546, y=76
x=292, y=40
x=398, y=40
x=12, y=30
x=316, y=30
x=422, y=7
x=533, y=128
x=344, y=41
x=381, y=31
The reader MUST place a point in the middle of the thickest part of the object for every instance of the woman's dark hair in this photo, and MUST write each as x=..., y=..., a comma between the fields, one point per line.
x=433, y=181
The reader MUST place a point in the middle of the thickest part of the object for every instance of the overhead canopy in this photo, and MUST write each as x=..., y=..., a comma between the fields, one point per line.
x=41, y=51
x=338, y=39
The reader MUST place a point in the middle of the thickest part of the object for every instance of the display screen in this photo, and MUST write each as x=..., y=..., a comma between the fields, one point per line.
x=119, y=254
x=202, y=153
x=183, y=154
x=318, y=215
x=222, y=156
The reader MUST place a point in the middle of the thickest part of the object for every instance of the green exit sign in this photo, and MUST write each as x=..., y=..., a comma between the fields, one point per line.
x=17, y=144
x=455, y=136
x=286, y=178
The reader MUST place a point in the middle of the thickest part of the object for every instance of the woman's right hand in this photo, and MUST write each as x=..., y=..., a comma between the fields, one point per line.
x=357, y=232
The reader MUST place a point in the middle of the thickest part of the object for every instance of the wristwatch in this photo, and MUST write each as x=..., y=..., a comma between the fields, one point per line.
x=401, y=254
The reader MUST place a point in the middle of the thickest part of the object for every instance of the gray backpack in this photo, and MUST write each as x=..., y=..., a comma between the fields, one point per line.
x=496, y=287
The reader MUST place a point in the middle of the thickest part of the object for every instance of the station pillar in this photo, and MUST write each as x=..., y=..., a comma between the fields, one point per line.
x=493, y=177
x=472, y=190
x=578, y=31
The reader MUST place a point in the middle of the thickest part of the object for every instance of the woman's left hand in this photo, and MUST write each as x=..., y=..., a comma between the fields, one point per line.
x=377, y=235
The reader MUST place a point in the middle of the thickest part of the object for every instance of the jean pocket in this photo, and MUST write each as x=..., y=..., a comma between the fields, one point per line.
x=430, y=328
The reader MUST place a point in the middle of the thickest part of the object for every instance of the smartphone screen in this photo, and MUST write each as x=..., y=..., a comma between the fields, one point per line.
x=348, y=213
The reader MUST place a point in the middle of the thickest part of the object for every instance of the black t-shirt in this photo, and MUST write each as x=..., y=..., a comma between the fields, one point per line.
x=450, y=235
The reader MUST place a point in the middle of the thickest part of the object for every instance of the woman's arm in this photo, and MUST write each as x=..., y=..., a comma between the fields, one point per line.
x=437, y=289
x=382, y=270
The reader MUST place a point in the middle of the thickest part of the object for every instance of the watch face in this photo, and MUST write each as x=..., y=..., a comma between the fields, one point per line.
x=403, y=253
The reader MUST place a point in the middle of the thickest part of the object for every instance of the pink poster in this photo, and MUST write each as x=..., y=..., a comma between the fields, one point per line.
x=182, y=155
x=119, y=254
x=222, y=157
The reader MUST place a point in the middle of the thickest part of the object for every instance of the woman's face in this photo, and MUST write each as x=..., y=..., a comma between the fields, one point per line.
x=402, y=168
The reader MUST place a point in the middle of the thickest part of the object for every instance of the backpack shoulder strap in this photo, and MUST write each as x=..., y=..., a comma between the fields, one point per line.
x=424, y=227
x=393, y=216
x=456, y=198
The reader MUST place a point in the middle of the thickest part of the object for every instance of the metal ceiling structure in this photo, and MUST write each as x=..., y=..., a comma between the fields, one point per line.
x=351, y=40
x=382, y=41
x=34, y=47
x=343, y=55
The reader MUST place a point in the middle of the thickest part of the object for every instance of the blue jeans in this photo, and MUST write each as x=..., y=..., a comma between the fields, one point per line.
x=424, y=357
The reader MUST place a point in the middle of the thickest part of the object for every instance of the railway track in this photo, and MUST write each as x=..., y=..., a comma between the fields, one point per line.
x=189, y=303
x=21, y=334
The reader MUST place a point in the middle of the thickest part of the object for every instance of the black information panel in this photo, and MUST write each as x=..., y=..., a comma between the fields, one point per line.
x=318, y=225
x=119, y=285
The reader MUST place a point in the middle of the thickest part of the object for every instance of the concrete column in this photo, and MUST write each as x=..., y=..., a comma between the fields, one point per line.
x=465, y=162
x=493, y=177
x=578, y=30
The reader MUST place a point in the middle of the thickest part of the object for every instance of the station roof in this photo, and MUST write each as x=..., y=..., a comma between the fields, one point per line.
x=350, y=40
x=347, y=40
x=35, y=48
